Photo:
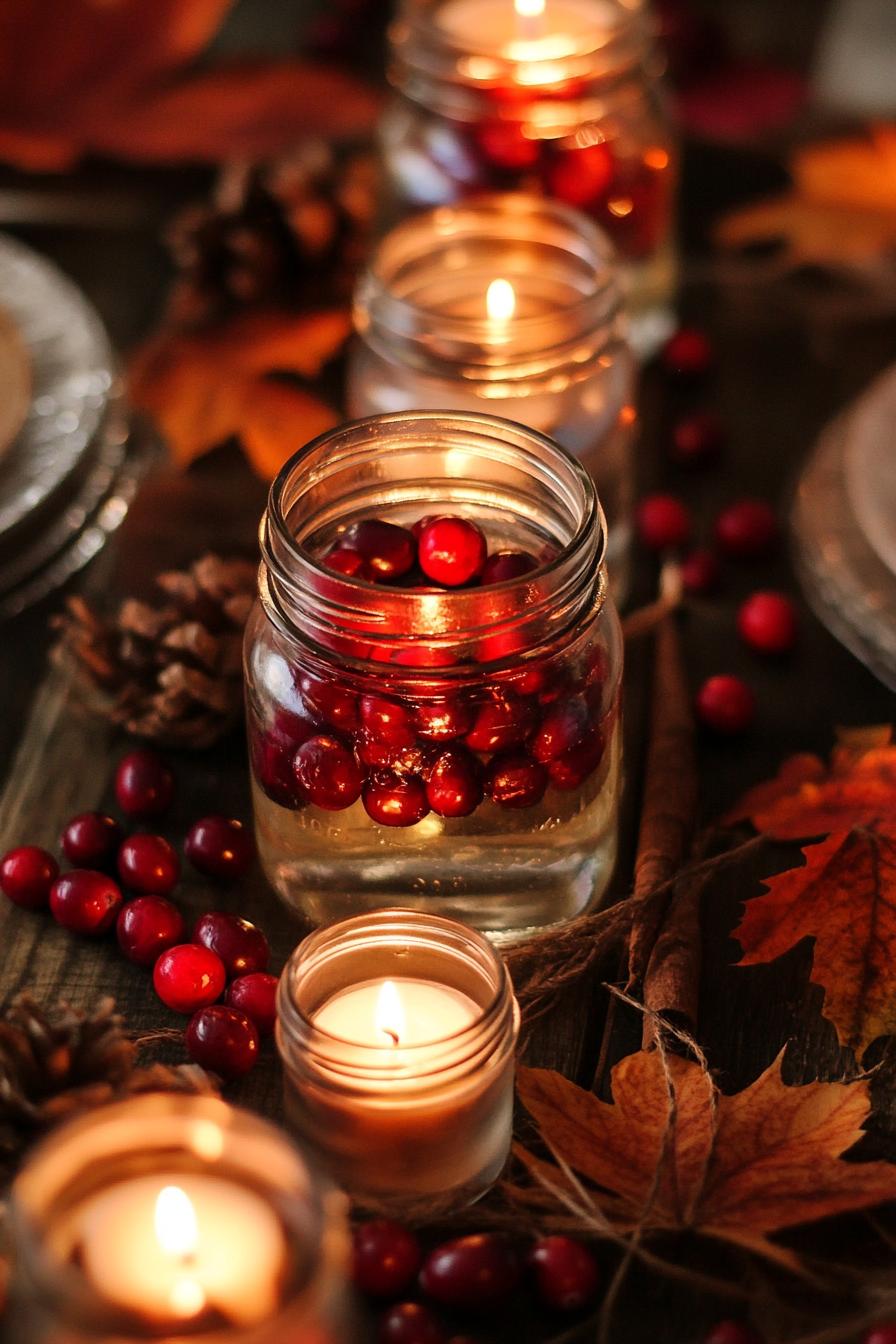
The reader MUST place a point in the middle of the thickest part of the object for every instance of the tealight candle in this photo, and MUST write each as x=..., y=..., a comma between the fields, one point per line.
x=397, y=1031
x=167, y=1216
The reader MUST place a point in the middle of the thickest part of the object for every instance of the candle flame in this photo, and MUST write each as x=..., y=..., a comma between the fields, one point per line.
x=390, y=1013
x=175, y=1219
x=529, y=9
x=500, y=301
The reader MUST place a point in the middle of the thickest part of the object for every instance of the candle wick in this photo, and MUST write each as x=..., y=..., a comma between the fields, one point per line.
x=393, y=1035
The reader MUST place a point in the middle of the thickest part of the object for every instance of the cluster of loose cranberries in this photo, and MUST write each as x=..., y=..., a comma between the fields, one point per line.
x=534, y=727
x=739, y=1332
x=745, y=530
x=225, y=955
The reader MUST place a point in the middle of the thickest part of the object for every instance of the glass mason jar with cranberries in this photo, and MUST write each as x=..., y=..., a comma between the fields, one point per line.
x=433, y=675
x=561, y=98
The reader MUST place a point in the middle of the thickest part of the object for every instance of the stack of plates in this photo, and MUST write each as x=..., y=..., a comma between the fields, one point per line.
x=67, y=470
x=844, y=524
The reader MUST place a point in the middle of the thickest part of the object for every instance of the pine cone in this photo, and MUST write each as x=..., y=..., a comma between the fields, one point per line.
x=171, y=674
x=55, y=1066
x=291, y=230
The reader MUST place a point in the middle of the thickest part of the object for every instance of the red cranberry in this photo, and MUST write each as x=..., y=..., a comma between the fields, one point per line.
x=327, y=773
x=452, y=551
x=881, y=1334
x=410, y=1323
x=513, y=779
x=566, y=1273
x=421, y=523
x=85, y=901
x=733, y=1332
x=581, y=175
x=329, y=701
x=505, y=565
x=505, y=146
x=569, y=771
x=700, y=572
x=747, y=529
x=144, y=785
x=350, y=563
x=385, y=1258
x=222, y=1040
x=395, y=800
x=501, y=723
x=687, y=353
x=726, y=704
x=26, y=876
x=386, y=720
x=91, y=840
x=443, y=720
x=241, y=946
x=633, y=212
x=697, y=439
x=147, y=863
x=220, y=847
x=562, y=727
x=410, y=760
x=454, y=784
x=147, y=927
x=255, y=995
x=272, y=756
x=388, y=550
x=187, y=977
x=474, y=1271
x=663, y=522
x=423, y=655
x=767, y=622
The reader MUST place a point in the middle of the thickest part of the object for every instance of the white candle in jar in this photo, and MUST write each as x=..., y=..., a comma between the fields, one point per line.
x=529, y=31
x=173, y=1246
x=393, y=1013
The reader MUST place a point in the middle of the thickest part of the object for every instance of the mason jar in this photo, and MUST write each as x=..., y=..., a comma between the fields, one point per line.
x=451, y=749
x=562, y=99
x=509, y=305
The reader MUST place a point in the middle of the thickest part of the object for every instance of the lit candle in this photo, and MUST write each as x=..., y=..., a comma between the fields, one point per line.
x=528, y=31
x=395, y=1013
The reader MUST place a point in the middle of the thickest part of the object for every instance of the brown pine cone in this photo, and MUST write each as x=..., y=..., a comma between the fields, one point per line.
x=170, y=674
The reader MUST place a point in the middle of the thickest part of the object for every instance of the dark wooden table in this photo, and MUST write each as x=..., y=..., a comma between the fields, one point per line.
x=786, y=364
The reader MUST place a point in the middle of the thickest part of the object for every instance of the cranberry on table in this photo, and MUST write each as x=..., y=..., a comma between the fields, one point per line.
x=241, y=946
x=452, y=551
x=91, y=839
x=389, y=551
x=663, y=522
x=726, y=705
x=732, y=1332
x=395, y=800
x=475, y=1271
x=386, y=1257
x=514, y=779
x=147, y=927
x=144, y=785
x=148, y=864
x=562, y=727
x=697, y=439
x=501, y=723
x=26, y=876
x=255, y=995
x=566, y=1273
x=767, y=622
x=687, y=353
x=410, y=1323
x=502, y=566
x=881, y=1334
x=747, y=529
x=701, y=572
x=187, y=977
x=222, y=1040
x=327, y=773
x=85, y=901
x=454, y=783
x=220, y=847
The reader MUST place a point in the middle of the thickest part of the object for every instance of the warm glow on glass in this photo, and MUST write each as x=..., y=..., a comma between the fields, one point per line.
x=175, y=1222
x=186, y=1298
x=389, y=1013
x=500, y=301
x=529, y=9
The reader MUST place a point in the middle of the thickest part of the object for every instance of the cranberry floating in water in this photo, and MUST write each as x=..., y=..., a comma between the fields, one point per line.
x=747, y=529
x=501, y=723
x=222, y=1040
x=187, y=977
x=144, y=785
x=256, y=995
x=580, y=175
x=569, y=771
x=220, y=847
x=663, y=522
x=327, y=773
x=475, y=1271
x=385, y=1258
x=514, y=779
x=147, y=927
x=452, y=551
x=726, y=705
x=85, y=901
x=330, y=701
x=387, y=720
x=443, y=720
x=91, y=840
x=395, y=800
x=566, y=1273
x=454, y=784
x=767, y=622
x=388, y=550
x=562, y=727
x=147, y=863
x=350, y=563
x=26, y=876
x=272, y=755
x=410, y=1323
x=505, y=565
x=505, y=145
x=241, y=946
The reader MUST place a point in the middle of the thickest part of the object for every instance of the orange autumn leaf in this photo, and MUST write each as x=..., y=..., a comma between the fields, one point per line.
x=672, y=1153
x=203, y=387
x=115, y=77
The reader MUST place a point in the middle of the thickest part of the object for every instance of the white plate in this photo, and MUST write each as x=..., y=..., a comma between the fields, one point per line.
x=870, y=465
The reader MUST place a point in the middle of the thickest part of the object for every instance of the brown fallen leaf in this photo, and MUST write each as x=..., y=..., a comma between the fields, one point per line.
x=672, y=1153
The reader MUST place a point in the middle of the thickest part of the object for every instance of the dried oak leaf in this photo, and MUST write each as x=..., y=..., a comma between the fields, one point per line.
x=203, y=387
x=92, y=77
x=672, y=1153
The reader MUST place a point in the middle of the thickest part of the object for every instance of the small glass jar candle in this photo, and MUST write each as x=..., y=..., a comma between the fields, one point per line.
x=169, y=1217
x=397, y=1032
x=560, y=97
x=452, y=749
x=509, y=305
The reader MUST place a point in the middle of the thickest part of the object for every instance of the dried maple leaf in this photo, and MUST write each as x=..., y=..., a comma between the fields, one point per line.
x=672, y=1153
x=202, y=387
x=112, y=77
